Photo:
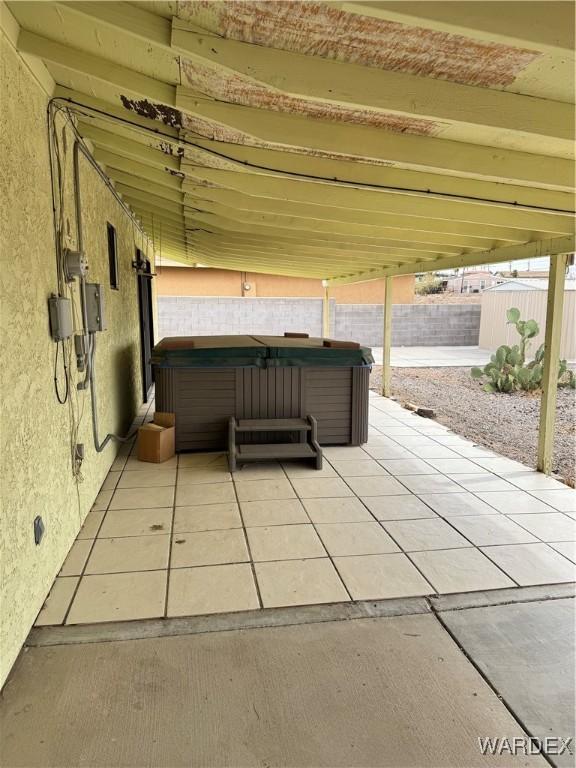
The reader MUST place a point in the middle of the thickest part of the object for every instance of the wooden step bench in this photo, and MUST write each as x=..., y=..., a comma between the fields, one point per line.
x=273, y=425
x=307, y=446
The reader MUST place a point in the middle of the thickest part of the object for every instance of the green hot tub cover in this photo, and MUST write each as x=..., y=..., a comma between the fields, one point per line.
x=257, y=352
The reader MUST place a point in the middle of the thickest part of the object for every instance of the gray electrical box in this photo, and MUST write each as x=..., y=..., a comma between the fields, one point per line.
x=60, y=310
x=95, y=307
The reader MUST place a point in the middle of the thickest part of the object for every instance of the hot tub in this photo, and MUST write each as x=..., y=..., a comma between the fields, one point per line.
x=205, y=380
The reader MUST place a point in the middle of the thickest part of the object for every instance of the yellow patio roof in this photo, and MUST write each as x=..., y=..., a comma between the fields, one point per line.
x=336, y=140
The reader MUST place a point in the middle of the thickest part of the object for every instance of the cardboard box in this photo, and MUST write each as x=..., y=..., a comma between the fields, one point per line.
x=157, y=440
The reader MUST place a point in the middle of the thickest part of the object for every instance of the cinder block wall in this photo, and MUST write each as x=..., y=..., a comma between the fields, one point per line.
x=199, y=315
x=413, y=325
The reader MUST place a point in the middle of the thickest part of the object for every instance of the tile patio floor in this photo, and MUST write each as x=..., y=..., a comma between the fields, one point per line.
x=418, y=510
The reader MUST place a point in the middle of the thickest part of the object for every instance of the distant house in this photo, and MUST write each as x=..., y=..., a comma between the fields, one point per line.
x=472, y=282
x=525, y=274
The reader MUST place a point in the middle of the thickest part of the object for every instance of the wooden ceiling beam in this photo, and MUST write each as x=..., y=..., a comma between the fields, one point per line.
x=148, y=174
x=215, y=214
x=533, y=250
x=545, y=26
x=276, y=163
x=389, y=254
x=201, y=197
x=355, y=198
x=340, y=244
x=341, y=83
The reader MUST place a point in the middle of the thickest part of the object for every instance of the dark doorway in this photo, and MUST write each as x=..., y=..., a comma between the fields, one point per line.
x=146, y=321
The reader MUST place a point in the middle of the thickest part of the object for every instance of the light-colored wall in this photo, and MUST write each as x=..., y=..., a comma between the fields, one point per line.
x=272, y=286
x=209, y=315
x=183, y=281
x=412, y=324
x=373, y=291
x=35, y=463
x=494, y=330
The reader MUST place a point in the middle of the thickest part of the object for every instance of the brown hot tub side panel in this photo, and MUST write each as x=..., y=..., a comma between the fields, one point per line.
x=328, y=397
x=205, y=398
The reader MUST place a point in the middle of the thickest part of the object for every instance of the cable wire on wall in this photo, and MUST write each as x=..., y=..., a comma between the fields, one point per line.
x=61, y=399
x=62, y=133
x=57, y=146
x=58, y=166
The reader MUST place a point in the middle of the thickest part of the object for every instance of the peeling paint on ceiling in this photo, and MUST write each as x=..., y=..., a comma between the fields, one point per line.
x=170, y=149
x=167, y=115
x=206, y=159
x=197, y=127
x=317, y=29
x=235, y=89
x=84, y=54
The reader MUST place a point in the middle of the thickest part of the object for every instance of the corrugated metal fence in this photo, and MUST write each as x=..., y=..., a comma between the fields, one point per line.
x=532, y=305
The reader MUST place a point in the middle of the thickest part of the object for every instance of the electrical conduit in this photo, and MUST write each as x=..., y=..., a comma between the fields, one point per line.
x=89, y=338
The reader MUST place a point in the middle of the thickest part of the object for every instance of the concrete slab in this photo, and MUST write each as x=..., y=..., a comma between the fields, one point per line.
x=434, y=357
x=527, y=653
x=372, y=692
x=437, y=357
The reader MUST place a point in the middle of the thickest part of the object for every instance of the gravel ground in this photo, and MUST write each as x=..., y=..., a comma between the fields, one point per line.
x=506, y=424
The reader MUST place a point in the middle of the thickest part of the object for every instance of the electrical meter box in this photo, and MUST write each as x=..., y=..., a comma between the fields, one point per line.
x=60, y=310
x=95, y=307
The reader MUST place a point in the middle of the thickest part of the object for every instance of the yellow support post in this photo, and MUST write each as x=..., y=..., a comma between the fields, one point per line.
x=325, y=311
x=386, y=371
x=554, y=311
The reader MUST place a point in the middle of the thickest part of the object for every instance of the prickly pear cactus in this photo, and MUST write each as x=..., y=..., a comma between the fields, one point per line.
x=508, y=371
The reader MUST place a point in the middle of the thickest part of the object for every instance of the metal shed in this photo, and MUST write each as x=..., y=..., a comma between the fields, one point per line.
x=530, y=297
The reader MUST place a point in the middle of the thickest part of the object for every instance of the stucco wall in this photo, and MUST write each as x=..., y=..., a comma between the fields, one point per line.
x=35, y=459
x=183, y=281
